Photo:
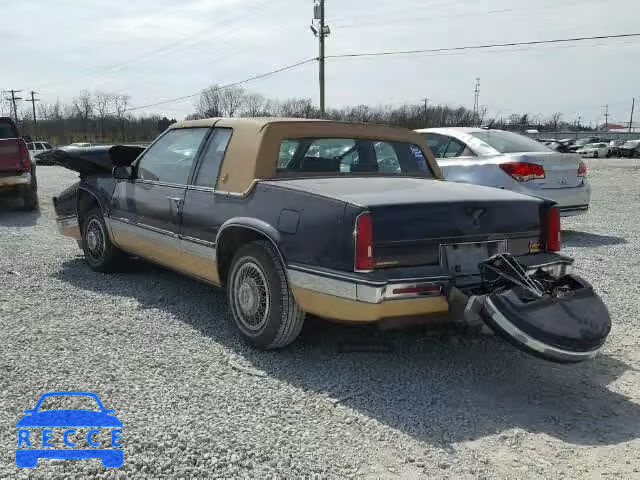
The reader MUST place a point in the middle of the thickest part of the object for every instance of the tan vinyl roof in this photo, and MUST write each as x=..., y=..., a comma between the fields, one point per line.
x=254, y=148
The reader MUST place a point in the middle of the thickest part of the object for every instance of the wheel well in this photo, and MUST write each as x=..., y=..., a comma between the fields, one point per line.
x=86, y=202
x=228, y=244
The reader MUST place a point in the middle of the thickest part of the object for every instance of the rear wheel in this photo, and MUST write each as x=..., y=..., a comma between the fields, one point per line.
x=30, y=193
x=261, y=302
x=100, y=253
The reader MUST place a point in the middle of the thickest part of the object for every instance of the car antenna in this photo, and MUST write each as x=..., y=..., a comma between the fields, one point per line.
x=490, y=124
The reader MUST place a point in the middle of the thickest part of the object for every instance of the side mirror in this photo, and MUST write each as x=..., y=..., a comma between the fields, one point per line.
x=122, y=173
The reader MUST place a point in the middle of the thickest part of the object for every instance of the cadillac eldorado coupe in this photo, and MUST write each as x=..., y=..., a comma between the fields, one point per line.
x=349, y=222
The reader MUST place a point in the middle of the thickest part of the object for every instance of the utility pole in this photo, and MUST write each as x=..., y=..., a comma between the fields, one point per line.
x=426, y=101
x=606, y=117
x=13, y=101
x=633, y=104
x=321, y=31
x=476, y=95
x=33, y=104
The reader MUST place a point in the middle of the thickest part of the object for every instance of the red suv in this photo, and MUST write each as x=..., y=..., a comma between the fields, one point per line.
x=17, y=171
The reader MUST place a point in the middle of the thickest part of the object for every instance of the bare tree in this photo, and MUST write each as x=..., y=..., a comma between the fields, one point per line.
x=121, y=104
x=296, y=107
x=103, y=104
x=555, y=120
x=255, y=105
x=231, y=100
x=83, y=105
x=209, y=103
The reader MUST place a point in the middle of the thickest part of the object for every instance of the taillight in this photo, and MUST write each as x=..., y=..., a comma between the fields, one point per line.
x=24, y=155
x=364, y=243
x=522, y=171
x=582, y=169
x=553, y=241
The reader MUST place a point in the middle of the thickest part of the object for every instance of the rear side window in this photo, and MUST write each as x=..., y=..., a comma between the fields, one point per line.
x=343, y=156
x=47, y=146
x=212, y=158
x=6, y=130
x=509, y=142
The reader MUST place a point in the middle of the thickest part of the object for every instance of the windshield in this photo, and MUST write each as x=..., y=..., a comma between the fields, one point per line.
x=509, y=142
x=340, y=156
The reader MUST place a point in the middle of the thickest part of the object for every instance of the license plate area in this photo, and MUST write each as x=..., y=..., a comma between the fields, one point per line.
x=464, y=258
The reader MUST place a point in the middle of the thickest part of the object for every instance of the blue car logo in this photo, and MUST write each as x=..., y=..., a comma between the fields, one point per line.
x=98, y=424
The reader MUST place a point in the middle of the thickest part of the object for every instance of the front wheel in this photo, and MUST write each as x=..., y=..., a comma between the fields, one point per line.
x=100, y=253
x=261, y=302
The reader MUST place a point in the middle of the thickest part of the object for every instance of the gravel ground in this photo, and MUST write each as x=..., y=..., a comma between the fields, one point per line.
x=196, y=402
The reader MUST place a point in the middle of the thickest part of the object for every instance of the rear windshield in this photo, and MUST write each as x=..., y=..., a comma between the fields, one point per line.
x=341, y=156
x=509, y=142
x=6, y=130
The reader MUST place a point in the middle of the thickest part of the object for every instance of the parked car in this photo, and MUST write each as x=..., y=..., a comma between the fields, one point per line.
x=36, y=148
x=17, y=169
x=630, y=149
x=557, y=146
x=501, y=159
x=346, y=221
x=581, y=142
x=594, y=150
x=614, y=147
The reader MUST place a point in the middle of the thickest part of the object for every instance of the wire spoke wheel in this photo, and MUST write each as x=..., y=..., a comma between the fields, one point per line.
x=95, y=240
x=251, y=296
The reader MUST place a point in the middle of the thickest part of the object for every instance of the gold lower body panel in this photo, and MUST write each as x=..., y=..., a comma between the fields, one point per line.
x=348, y=310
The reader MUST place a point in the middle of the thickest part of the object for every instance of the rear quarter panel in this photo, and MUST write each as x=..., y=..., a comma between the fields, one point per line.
x=310, y=229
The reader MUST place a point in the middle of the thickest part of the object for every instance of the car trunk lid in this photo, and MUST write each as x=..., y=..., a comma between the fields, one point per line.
x=560, y=169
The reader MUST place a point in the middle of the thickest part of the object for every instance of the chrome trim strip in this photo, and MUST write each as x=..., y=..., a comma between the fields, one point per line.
x=201, y=189
x=162, y=184
x=530, y=342
x=206, y=249
x=147, y=232
x=353, y=290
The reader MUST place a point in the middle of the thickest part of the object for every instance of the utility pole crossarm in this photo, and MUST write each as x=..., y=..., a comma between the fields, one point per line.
x=13, y=99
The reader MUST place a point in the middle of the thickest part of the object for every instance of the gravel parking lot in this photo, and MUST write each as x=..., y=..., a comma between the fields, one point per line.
x=195, y=401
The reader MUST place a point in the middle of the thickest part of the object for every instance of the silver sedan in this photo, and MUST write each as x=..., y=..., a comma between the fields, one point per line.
x=501, y=159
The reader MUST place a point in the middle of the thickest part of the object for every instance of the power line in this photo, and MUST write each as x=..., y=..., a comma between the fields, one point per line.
x=234, y=84
x=479, y=47
x=392, y=21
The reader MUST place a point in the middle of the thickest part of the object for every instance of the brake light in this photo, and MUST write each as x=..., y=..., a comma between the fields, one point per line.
x=25, y=160
x=582, y=169
x=553, y=242
x=522, y=171
x=364, y=243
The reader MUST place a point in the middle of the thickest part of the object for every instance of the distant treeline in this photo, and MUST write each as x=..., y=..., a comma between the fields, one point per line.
x=101, y=117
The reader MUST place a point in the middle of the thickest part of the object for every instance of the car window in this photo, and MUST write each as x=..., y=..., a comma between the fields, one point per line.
x=47, y=146
x=6, y=130
x=349, y=155
x=509, y=142
x=456, y=148
x=212, y=158
x=437, y=143
x=31, y=146
x=170, y=159
x=40, y=146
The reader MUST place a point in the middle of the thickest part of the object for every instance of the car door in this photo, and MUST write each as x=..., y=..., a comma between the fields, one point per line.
x=146, y=210
x=201, y=215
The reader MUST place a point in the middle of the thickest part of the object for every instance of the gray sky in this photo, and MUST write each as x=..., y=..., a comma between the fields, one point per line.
x=159, y=49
